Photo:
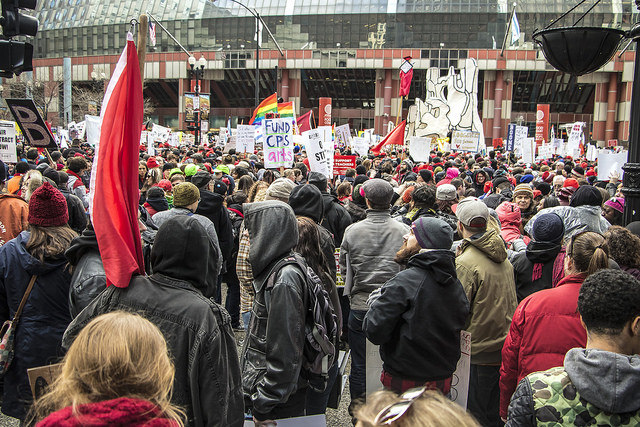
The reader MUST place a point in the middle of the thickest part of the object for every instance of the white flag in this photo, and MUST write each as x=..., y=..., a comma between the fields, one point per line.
x=515, y=28
x=258, y=34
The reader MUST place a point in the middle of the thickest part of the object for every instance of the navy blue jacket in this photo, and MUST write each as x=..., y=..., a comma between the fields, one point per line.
x=44, y=318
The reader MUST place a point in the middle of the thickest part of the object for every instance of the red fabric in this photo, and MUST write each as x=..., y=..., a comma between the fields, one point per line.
x=114, y=207
x=304, y=122
x=395, y=137
x=150, y=209
x=123, y=411
x=545, y=326
x=405, y=83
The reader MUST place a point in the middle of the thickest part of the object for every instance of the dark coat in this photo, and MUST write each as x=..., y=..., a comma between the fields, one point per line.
x=198, y=331
x=44, y=317
x=524, y=263
x=77, y=214
x=418, y=318
x=336, y=218
x=211, y=206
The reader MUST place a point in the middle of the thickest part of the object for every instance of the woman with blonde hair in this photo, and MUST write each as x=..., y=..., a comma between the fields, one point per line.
x=414, y=408
x=117, y=372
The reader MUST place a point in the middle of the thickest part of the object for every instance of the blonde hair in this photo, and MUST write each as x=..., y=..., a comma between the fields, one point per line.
x=431, y=409
x=30, y=183
x=117, y=354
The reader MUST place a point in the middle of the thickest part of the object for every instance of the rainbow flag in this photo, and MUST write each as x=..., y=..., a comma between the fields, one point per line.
x=285, y=109
x=269, y=105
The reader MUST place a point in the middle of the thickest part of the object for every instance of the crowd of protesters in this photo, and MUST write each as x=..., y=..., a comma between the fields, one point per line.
x=533, y=260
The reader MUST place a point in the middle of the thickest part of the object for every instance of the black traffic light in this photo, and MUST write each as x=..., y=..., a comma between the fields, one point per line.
x=16, y=24
x=16, y=56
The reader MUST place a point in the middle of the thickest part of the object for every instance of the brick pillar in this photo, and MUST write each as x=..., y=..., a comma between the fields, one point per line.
x=497, y=105
x=284, y=91
x=610, y=131
x=600, y=108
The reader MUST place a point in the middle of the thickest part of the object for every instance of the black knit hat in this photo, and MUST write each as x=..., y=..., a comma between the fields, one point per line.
x=586, y=195
x=548, y=227
x=306, y=200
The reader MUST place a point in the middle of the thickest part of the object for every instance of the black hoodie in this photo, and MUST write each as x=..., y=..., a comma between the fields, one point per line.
x=533, y=268
x=211, y=206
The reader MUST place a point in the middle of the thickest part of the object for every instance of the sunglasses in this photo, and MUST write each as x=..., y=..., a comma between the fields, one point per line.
x=395, y=411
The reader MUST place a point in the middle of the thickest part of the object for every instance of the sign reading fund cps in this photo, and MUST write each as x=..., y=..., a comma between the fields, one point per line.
x=278, y=143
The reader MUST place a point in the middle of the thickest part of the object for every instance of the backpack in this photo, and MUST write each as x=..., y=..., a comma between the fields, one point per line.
x=320, y=325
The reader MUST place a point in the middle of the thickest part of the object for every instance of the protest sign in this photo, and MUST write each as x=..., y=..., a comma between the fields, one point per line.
x=343, y=135
x=528, y=150
x=575, y=137
x=92, y=129
x=460, y=380
x=610, y=162
x=245, y=139
x=174, y=139
x=316, y=153
x=373, y=368
x=342, y=163
x=8, y=152
x=592, y=153
x=511, y=137
x=521, y=135
x=231, y=144
x=558, y=146
x=329, y=146
x=278, y=144
x=81, y=127
x=462, y=140
x=545, y=151
x=160, y=133
x=34, y=129
x=420, y=147
x=360, y=146
x=63, y=138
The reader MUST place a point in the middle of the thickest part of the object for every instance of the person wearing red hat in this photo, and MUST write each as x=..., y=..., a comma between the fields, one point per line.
x=152, y=163
x=35, y=255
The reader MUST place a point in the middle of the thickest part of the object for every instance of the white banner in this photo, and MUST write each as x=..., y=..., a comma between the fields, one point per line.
x=8, y=132
x=316, y=152
x=245, y=139
x=419, y=147
x=610, y=162
x=360, y=146
x=465, y=141
x=278, y=144
x=528, y=150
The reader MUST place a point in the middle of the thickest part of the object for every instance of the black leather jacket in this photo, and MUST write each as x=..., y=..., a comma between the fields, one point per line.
x=200, y=340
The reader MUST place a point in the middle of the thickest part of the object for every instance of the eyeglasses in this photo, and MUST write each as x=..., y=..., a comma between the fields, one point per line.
x=395, y=411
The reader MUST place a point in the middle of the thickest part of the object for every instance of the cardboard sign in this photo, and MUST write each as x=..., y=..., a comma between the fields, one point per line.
x=460, y=381
x=316, y=153
x=278, y=144
x=160, y=133
x=611, y=162
x=373, y=368
x=92, y=129
x=612, y=142
x=327, y=139
x=522, y=133
x=33, y=128
x=360, y=146
x=343, y=135
x=342, y=163
x=419, y=147
x=575, y=137
x=231, y=144
x=545, y=151
x=465, y=141
x=528, y=150
x=41, y=377
x=245, y=139
x=8, y=152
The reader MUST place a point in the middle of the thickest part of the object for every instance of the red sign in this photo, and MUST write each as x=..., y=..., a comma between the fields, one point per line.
x=497, y=143
x=342, y=163
x=612, y=143
x=542, y=124
x=324, y=113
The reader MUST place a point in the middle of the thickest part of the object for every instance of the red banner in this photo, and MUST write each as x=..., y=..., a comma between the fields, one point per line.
x=542, y=124
x=324, y=112
x=342, y=163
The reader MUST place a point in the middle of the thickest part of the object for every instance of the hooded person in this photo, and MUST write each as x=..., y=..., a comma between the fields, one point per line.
x=451, y=174
x=336, y=218
x=35, y=255
x=487, y=278
x=155, y=201
x=186, y=199
x=480, y=178
x=533, y=268
x=419, y=313
x=211, y=206
x=356, y=207
x=176, y=298
x=510, y=222
x=272, y=374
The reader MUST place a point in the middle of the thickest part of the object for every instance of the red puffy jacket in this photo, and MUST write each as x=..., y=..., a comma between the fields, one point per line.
x=545, y=326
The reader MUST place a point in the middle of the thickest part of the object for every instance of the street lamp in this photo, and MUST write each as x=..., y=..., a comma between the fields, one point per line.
x=198, y=73
x=259, y=23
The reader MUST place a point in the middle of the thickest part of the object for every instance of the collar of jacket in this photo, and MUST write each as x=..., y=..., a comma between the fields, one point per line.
x=377, y=216
x=170, y=281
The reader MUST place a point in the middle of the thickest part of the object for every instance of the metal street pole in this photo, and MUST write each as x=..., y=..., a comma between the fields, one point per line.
x=631, y=178
x=257, y=102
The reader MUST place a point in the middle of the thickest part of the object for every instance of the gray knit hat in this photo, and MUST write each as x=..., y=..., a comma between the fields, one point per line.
x=280, y=189
x=432, y=233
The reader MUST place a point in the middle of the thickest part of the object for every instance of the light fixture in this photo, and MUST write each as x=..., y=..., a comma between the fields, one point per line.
x=202, y=61
x=192, y=60
x=94, y=75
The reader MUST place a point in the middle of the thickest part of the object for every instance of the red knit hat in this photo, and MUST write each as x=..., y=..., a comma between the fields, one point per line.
x=151, y=163
x=47, y=207
x=570, y=182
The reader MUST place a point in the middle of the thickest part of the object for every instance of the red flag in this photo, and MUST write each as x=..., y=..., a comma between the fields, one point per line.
x=395, y=137
x=114, y=178
x=406, y=74
x=304, y=121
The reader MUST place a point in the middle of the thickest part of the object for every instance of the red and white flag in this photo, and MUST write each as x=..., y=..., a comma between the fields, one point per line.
x=114, y=177
x=304, y=122
x=395, y=137
x=152, y=33
x=406, y=75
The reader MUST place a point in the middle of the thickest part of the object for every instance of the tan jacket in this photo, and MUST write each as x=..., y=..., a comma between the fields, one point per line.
x=487, y=278
x=13, y=217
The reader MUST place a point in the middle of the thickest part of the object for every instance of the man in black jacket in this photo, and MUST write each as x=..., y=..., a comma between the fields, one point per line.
x=419, y=313
x=336, y=218
x=176, y=298
x=272, y=355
